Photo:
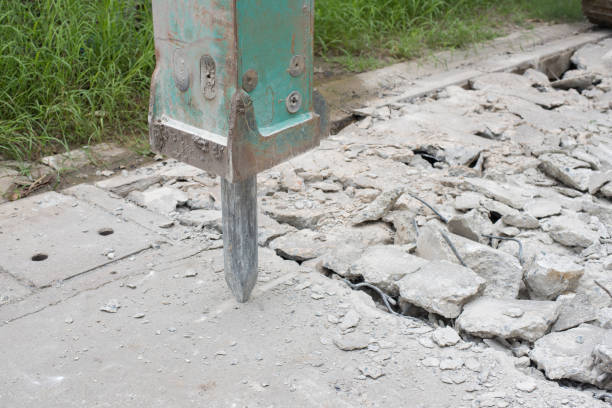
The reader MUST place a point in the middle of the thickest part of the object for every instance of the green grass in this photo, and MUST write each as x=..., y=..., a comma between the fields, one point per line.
x=72, y=72
x=354, y=32
x=76, y=72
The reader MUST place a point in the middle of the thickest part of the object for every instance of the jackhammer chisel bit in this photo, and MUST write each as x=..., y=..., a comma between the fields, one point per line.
x=232, y=94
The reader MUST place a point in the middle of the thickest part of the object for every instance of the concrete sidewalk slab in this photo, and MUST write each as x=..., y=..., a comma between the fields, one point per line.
x=54, y=237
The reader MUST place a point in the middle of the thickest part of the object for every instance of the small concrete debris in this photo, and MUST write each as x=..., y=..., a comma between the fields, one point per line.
x=379, y=207
x=352, y=341
x=350, y=320
x=527, y=386
x=372, y=372
x=445, y=337
x=112, y=306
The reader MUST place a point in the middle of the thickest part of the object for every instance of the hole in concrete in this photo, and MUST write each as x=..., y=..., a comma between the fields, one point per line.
x=106, y=231
x=39, y=257
x=474, y=162
x=494, y=216
x=427, y=156
x=337, y=125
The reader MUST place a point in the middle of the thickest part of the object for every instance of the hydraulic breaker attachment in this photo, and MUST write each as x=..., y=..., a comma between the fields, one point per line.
x=232, y=93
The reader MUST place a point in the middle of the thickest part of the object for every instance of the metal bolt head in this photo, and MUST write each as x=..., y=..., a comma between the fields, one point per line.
x=297, y=66
x=250, y=80
x=294, y=102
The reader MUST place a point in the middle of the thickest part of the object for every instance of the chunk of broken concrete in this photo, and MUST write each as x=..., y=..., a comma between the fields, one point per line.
x=572, y=172
x=290, y=181
x=579, y=82
x=550, y=275
x=537, y=78
x=302, y=245
x=599, y=179
x=468, y=201
x=378, y=208
x=592, y=58
x=202, y=218
x=502, y=272
x=440, y=287
x=162, y=200
x=575, y=309
x=542, y=208
x=603, y=354
x=352, y=341
x=403, y=222
x=472, y=225
x=572, y=232
x=606, y=190
x=340, y=259
x=570, y=355
x=124, y=185
x=487, y=317
x=504, y=193
x=521, y=220
x=300, y=218
x=269, y=229
x=384, y=266
x=350, y=320
x=445, y=336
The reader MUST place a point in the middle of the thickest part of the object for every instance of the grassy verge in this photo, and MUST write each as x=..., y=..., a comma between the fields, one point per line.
x=365, y=34
x=72, y=72
x=76, y=72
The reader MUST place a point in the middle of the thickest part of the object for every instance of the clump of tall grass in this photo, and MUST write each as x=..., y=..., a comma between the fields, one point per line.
x=72, y=72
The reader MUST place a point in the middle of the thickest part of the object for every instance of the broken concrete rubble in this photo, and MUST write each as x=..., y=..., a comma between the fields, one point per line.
x=571, y=355
x=502, y=272
x=542, y=208
x=163, y=200
x=440, y=287
x=303, y=245
x=550, y=275
x=384, y=266
x=506, y=194
x=572, y=232
x=572, y=172
x=488, y=317
x=472, y=225
x=379, y=207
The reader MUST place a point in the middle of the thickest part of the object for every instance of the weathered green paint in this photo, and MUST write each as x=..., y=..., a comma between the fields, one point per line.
x=234, y=133
x=202, y=27
x=270, y=33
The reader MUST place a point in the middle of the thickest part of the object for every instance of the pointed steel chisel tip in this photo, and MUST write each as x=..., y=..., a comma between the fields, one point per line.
x=239, y=203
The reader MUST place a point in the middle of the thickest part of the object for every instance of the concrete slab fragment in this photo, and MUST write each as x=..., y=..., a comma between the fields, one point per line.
x=54, y=237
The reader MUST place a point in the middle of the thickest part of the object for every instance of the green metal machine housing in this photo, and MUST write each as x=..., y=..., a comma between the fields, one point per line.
x=232, y=90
